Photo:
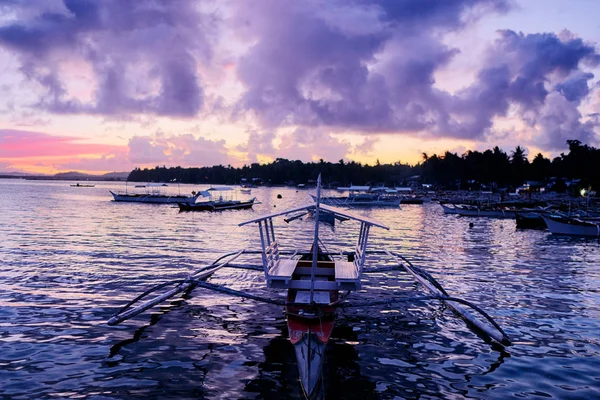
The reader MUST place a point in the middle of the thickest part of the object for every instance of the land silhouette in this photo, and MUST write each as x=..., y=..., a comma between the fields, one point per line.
x=492, y=168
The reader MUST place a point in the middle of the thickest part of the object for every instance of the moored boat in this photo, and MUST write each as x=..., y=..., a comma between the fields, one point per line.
x=572, y=226
x=218, y=205
x=529, y=220
x=318, y=281
x=154, y=198
x=154, y=194
x=475, y=211
x=83, y=185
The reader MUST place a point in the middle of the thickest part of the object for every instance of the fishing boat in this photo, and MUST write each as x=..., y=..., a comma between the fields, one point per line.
x=155, y=194
x=476, y=211
x=82, y=185
x=558, y=225
x=219, y=199
x=530, y=220
x=317, y=283
x=218, y=205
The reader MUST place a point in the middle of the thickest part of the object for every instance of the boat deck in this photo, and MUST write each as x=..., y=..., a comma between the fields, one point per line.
x=288, y=273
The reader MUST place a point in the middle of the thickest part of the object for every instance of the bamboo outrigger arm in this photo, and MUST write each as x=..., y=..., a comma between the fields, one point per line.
x=491, y=330
x=183, y=285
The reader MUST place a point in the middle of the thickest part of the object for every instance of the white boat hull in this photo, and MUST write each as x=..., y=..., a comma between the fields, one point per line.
x=477, y=212
x=153, y=198
x=310, y=356
x=572, y=227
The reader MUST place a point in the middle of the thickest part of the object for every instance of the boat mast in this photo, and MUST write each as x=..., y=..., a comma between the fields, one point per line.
x=315, y=241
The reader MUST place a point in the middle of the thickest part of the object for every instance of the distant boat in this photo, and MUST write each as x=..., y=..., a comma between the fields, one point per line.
x=530, y=220
x=155, y=195
x=246, y=190
x=475, y=211
x=218, y=202
x=80, y=185
x=572, y=226
x=218, y=205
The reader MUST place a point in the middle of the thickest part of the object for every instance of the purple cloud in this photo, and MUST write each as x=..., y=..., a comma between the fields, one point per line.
x=185, y=150
x=144, y=55
x=520, y=70
x=362, y=65
x=312, y=69
x=307, y=68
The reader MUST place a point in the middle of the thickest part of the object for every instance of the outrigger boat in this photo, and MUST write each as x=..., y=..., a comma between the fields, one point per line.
x=318, y=283
x=154, y=194
x=219, y=202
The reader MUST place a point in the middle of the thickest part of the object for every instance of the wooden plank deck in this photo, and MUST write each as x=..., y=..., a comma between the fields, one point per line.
x=281, y=274
x=346, y=275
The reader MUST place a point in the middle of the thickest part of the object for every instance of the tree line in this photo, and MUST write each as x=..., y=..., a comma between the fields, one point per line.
x=493, y=168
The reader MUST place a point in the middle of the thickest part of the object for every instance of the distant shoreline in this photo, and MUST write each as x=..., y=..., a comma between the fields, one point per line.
x=61, y=178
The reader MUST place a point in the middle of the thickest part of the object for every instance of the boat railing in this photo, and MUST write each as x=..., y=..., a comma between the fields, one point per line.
x=272, y=256
x=278, y=272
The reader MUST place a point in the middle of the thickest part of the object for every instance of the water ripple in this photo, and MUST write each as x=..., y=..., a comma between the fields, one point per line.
x=70, y=258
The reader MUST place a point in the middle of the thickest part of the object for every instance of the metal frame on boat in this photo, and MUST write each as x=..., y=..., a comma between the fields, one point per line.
x=318, y=283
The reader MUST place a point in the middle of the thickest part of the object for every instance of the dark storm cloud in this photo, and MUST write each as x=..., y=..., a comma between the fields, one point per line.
x=144, y=54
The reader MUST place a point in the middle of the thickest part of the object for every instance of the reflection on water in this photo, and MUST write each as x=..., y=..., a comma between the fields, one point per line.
x=70, y=258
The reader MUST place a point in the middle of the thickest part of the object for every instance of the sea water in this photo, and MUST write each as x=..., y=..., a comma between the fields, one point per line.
x=70, y=257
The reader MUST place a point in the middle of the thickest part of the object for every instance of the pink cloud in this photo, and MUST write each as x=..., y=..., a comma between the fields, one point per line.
x=25, y=144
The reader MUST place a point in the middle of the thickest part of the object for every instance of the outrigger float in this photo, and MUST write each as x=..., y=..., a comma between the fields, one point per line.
x=318, y=283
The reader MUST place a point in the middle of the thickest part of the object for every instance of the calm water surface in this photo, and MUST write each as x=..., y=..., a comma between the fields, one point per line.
x=70, y=257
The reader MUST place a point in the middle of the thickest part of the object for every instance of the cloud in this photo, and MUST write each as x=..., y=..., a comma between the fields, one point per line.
x=310, y=64
x=116, y=161
x=183, y=150
x=323, y=67
x=367, y=146
x=258, y=144
x=27, y=144
x=312, y=145
x=144, y=56
x=559, y=121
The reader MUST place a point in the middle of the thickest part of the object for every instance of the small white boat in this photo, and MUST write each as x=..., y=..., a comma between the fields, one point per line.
x=572, y=226
x=475, y=211
x=155, y=194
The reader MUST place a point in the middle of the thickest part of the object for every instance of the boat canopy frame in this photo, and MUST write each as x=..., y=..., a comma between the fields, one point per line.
x=278, y=271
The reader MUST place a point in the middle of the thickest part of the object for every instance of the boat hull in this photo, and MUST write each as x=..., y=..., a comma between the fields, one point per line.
x=310, y=355
x=309, y=337
x=217, y=206
x=572, y=227
x=478, y=212
x=530, y=220
x=154, y=198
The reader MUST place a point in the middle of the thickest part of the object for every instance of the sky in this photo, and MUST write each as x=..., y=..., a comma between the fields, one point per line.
x=108, y=85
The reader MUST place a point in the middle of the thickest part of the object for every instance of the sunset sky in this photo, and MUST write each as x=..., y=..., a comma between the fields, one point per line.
x=109, y=85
